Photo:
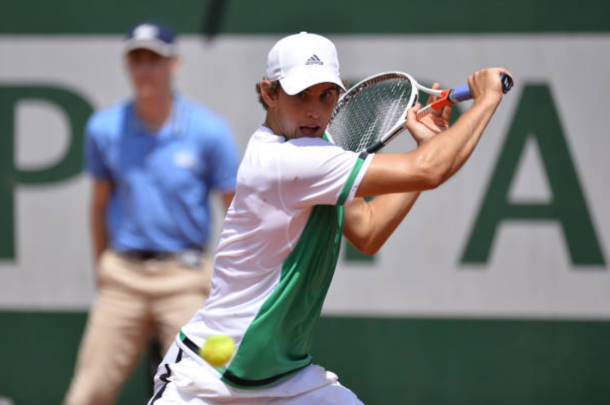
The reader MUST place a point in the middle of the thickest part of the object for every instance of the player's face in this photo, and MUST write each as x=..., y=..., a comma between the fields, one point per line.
x=150, y=72
x=307, y=113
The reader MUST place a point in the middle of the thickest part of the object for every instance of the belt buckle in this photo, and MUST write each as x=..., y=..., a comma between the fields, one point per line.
x=189, y=258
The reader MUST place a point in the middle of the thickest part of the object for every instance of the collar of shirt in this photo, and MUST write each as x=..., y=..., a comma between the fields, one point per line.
x=173, y=127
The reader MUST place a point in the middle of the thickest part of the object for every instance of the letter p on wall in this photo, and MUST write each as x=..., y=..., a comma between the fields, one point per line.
x=76, y=109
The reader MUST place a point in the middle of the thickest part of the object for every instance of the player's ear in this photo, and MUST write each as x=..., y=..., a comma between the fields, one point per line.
x=269, y=96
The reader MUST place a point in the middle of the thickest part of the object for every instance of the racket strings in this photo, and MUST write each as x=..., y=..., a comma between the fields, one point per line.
x=368, y=112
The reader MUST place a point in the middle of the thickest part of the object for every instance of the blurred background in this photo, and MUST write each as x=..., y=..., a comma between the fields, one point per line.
x=495, y=290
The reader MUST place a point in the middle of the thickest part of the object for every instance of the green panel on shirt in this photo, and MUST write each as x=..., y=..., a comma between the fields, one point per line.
x=277, y=342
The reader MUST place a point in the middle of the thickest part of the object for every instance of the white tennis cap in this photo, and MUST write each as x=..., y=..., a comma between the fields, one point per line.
x=302, y=60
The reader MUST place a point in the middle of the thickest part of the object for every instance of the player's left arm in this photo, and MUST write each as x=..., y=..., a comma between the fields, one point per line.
x=369, y=224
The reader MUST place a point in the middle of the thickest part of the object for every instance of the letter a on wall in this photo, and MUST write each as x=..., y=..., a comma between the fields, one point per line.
x=536, y=117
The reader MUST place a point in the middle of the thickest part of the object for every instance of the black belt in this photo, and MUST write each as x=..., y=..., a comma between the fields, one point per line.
x=189, y=257
x=148, y=255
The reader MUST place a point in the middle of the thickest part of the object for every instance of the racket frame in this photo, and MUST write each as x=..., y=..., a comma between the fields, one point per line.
x=446, y=98
x=399, y=126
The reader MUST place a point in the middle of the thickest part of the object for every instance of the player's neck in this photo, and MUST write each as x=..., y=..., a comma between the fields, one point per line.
x=272, y=123
x=154, y=111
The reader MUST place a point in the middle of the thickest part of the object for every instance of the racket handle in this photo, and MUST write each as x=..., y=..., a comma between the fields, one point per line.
x=462, y=93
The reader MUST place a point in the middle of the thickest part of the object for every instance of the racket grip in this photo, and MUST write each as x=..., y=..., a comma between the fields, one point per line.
x=462, y=93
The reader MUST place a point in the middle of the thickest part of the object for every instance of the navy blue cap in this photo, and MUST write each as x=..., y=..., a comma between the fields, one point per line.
x=153, y=36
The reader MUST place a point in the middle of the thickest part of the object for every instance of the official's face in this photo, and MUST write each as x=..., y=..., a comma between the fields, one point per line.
x=150, y=72
x=307, y=113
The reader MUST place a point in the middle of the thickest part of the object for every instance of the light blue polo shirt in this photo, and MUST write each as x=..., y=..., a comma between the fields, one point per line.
x=161, y=180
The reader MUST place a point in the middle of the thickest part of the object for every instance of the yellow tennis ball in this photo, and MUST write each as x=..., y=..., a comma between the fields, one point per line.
x=217, y=350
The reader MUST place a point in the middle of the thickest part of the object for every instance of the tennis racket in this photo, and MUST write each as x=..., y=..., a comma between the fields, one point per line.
x=374, y=111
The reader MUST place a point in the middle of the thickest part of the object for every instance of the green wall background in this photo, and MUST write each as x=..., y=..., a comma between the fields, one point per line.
x=334, y=16
x=384, y=360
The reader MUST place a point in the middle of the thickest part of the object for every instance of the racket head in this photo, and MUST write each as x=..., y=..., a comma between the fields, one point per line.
x=372, y=112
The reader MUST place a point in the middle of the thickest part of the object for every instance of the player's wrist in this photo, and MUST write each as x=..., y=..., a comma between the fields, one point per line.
x=488, y=99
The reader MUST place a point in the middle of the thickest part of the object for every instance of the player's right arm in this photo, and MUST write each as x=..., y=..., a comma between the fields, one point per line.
x=437, y=158
x=398, y=178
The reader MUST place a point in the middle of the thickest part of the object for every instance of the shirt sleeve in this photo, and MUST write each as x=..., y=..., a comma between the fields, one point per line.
x=315, y=172
x=224, y=157
x=94, y=161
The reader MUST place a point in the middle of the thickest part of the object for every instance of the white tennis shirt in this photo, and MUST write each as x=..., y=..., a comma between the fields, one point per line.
x=277, y=254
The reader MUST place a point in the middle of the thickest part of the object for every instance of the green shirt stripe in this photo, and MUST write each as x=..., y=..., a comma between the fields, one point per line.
x=350, y=180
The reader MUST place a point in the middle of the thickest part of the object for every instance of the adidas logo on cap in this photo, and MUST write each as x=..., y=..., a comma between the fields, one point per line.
x=314, y=60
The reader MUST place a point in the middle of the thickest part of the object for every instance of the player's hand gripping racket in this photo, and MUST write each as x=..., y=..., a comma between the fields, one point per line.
x=373, y=112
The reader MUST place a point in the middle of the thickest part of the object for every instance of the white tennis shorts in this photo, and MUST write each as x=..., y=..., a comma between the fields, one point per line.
x=184, y=378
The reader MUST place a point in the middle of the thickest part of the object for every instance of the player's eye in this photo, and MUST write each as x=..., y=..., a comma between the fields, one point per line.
x=329, y=95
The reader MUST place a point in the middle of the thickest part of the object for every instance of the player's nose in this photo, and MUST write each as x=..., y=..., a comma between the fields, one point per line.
x=314, y=110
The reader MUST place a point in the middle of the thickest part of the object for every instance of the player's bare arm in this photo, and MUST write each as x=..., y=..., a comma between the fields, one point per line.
x=437, y=159
x=441, y=152
x=369, y=224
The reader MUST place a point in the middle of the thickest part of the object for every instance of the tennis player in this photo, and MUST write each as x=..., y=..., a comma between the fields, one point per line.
x=296, y=195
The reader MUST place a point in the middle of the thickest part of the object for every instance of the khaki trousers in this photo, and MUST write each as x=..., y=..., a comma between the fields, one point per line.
x=136, y=300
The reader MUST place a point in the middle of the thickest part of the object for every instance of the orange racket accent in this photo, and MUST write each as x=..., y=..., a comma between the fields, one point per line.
x=439, y=104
